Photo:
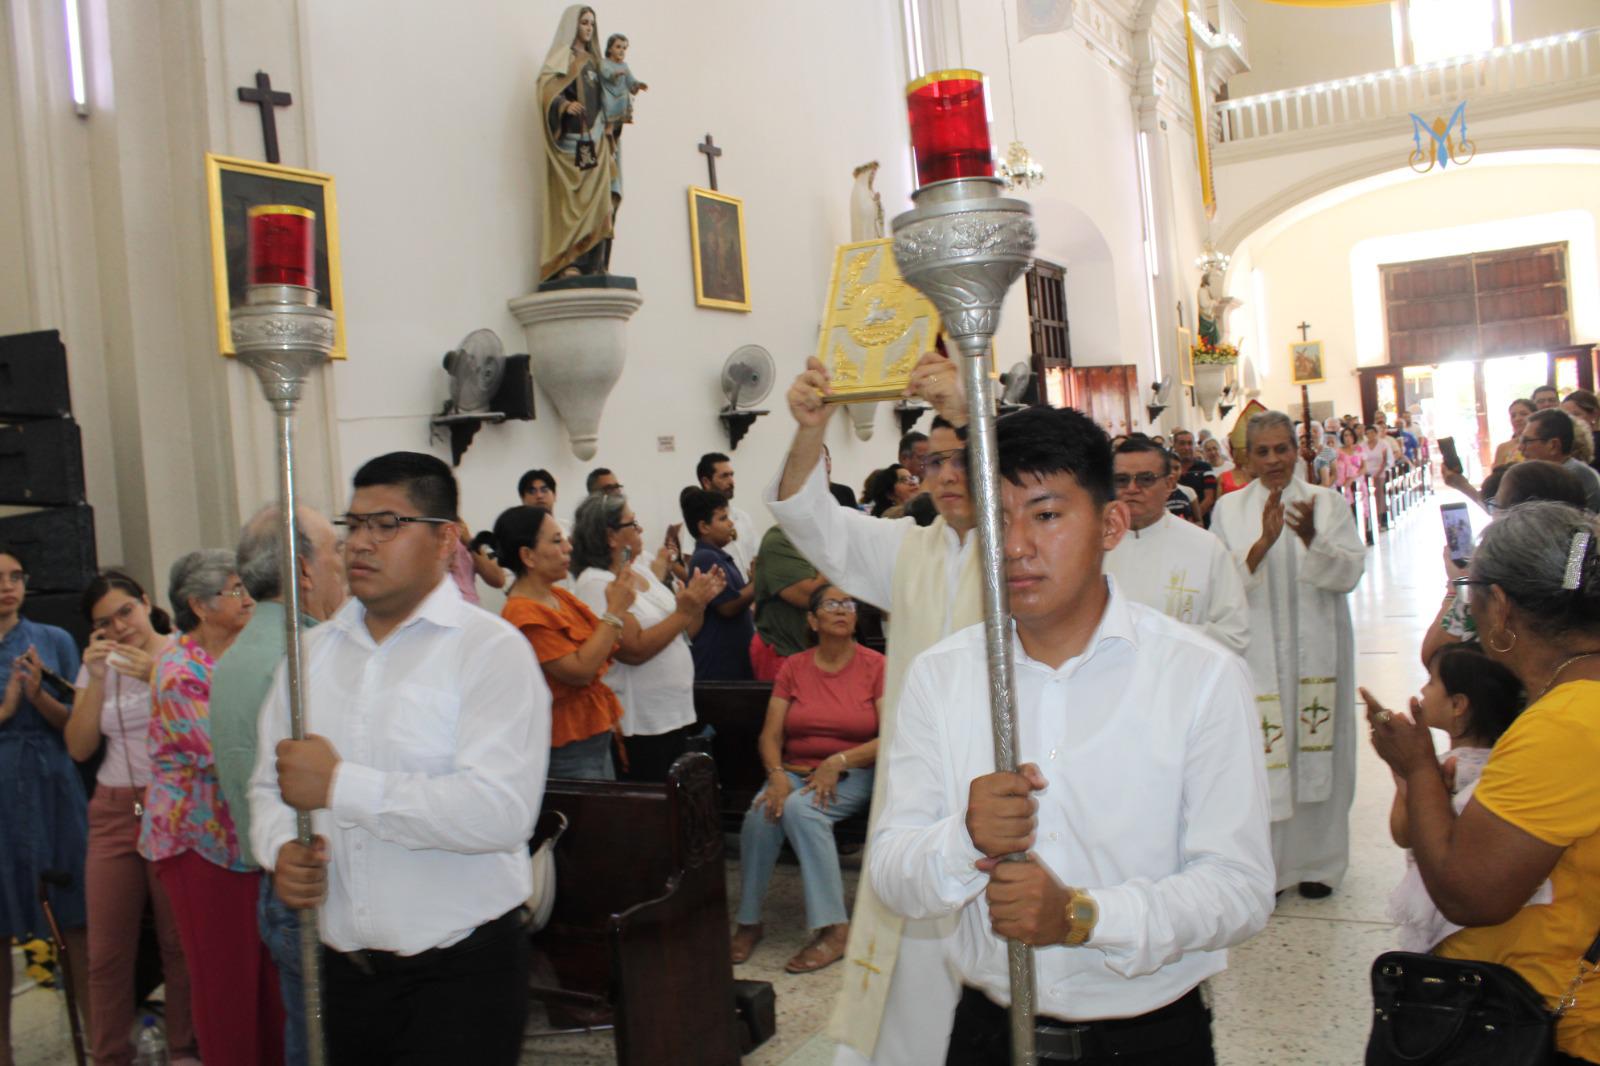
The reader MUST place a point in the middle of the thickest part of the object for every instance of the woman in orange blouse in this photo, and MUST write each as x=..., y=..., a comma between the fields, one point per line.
x=573, y=646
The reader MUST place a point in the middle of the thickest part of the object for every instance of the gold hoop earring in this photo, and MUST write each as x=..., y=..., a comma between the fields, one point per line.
x=1499, y=650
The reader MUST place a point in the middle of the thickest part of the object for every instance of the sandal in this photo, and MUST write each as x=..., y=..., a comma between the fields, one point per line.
x=823, y=951
x=745, y=939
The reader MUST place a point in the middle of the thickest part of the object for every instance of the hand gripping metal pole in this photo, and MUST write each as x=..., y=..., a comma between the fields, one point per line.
x=283, y=335
x=962, y=246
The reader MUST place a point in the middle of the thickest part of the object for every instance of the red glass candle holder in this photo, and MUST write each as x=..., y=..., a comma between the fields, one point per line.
x=949, y=115
x=282, y=245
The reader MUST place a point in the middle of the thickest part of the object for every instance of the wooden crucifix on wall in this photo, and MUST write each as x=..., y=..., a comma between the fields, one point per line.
x=265, y=98
x=711, y=152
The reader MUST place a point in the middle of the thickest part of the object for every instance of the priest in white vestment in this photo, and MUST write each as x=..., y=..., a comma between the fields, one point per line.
x=1300, y=556
x=1177, y=567
x=895, y=977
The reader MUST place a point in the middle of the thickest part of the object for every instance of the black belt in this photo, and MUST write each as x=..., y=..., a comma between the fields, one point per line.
x=1184, y=1022
x=371, y=963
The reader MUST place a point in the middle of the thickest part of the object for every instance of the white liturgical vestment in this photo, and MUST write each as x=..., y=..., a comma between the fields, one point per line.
x=899, y=994
x=1302, y=660
x=1188, y=575
x=1156, y=805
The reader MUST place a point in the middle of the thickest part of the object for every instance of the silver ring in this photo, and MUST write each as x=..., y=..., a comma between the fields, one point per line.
x=1383, y=716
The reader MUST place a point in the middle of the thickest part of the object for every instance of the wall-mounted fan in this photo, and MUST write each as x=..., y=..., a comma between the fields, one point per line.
x=747, y=376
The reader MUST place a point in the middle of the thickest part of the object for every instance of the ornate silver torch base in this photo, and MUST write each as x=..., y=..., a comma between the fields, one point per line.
x=283, y=335
x=962, y=246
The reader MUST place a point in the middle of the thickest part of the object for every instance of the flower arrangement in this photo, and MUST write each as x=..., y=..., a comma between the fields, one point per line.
x=1207, y=354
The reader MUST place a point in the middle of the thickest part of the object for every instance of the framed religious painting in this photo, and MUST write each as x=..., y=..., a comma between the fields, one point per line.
x=1305, y=358
x=233, y=187
x=716, y=243
x=875, y=326
x=1185, y=356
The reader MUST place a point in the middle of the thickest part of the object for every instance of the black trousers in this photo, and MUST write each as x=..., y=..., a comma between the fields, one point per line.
x=466, y=1003
x=1178, y=1034
x=650, y=757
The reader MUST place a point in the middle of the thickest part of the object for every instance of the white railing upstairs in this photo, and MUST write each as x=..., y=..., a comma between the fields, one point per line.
x=1423, y=88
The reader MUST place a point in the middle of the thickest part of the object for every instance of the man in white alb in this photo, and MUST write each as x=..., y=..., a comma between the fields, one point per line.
x=1164, y=562
x=1141, y=802
x=1300, y=556
x=895, y=977
x=432, y=725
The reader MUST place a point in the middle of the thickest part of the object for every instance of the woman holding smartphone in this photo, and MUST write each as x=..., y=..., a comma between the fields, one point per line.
x=127, y=636
x=653, y=675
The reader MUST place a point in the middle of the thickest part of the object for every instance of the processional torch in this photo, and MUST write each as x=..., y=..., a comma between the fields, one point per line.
x=962, y=246
x=283, y=334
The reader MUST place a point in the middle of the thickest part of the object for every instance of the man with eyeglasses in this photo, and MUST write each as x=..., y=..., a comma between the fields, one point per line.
x=424, y=773
x=1548, y=435
x=1171, y=565
x=929, y=580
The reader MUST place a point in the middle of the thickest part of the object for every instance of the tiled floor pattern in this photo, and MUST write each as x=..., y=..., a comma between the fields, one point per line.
x=1296, y=994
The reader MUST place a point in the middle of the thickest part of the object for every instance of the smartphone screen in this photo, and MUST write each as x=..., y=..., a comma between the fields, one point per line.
x=1457, y=531
x=1448, y=454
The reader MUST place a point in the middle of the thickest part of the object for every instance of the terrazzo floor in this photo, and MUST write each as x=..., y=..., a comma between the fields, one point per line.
x=1295, y=994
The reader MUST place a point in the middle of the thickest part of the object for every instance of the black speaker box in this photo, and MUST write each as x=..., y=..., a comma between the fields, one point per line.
x=41, y=463
x=757, y=1008
x=57, y=609
x=514, y=397
x=33, y=376
x=57, y=546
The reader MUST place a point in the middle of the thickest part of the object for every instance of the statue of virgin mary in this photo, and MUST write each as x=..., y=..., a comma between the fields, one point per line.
x=579, y=163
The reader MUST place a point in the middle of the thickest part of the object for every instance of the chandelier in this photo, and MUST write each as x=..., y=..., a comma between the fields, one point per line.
x=1019, y=169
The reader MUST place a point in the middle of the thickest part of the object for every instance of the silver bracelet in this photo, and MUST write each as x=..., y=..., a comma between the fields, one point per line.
x=611, y=619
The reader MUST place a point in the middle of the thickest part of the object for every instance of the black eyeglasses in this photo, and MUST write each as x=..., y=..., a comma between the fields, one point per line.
x=383, y=525
x=1465, y=585
x=629, y=525
x=1144, y=480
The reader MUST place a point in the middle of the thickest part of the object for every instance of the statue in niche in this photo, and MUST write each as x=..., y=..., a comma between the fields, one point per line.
x=866, y=206
x=582, y=179
x=1213, y=307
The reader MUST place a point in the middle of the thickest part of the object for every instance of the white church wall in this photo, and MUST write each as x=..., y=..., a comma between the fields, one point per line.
x=1532, y=19
x=1324, y=268
x=1292, y=46
x=439, y=218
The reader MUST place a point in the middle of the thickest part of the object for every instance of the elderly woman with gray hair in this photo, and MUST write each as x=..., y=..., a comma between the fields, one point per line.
x=1534, y=593
x=188, y=831
x=653, y=675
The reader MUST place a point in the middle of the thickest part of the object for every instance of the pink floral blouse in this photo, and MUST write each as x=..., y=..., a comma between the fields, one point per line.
x=184, y=809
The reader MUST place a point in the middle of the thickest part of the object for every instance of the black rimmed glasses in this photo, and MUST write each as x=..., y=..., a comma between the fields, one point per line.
x=1465, y=585
x=383, y=525
x=633, y=525
x=1144, y=481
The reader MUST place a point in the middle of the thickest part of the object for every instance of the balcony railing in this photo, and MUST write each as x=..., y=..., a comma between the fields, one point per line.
x=1424, y=87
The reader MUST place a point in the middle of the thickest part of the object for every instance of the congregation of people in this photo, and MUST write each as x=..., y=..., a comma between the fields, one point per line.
x=1182, y=638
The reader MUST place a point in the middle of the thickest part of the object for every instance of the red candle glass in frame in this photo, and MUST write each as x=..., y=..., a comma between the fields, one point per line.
x=950, y=126
x=282, y=245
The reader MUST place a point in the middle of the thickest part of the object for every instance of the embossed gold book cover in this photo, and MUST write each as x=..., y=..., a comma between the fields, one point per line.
x=874, y=326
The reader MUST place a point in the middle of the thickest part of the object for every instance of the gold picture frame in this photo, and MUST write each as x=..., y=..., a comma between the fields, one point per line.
x=714, y=219
x=1305, y=362
x=875, y=326
x=233, y=186
x=1185, y=356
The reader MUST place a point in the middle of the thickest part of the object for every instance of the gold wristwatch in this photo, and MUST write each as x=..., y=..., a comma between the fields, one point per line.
x=1082, y=914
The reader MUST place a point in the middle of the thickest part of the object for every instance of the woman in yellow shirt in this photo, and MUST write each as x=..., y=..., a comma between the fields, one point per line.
x=1534, y=593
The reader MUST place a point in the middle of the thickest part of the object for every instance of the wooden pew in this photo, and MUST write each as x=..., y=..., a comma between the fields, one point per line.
x=736, y=710
x=640, y=923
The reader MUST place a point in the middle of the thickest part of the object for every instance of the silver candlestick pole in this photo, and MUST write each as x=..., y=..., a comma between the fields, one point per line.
x=283, y=335
x=962, y=246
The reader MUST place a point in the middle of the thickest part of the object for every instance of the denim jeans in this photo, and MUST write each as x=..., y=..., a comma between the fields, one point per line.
x=809, y=830
x=587, y=759
x=280, y=931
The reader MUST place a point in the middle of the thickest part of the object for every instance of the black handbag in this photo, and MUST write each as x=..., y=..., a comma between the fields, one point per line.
x=1429, y=1010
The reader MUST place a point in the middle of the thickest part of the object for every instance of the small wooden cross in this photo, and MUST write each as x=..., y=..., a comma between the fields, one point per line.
x=711, y=152
x=1305, y=330
x=268, y=101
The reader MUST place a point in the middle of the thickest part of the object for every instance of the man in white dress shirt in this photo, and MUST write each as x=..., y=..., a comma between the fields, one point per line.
x=1141, y=788
x=895, y=977
x=1299, y=555
x=431, y=725
x=1164, y=562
